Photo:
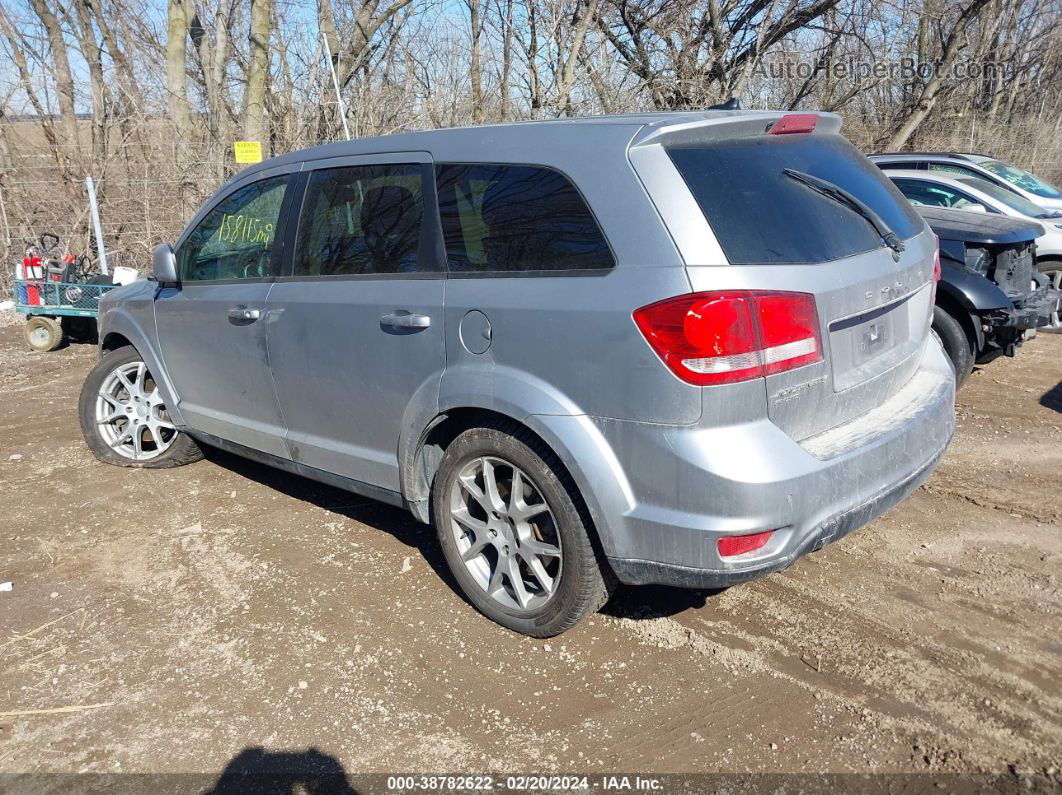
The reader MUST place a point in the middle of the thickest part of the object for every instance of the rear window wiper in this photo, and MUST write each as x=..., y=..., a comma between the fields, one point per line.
x=843, y=197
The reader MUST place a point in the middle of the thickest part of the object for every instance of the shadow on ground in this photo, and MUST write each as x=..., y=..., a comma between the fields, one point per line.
x=629, y=601
x=655, y=601
x=1052, y=398
x=376, y=515
x=262, y=772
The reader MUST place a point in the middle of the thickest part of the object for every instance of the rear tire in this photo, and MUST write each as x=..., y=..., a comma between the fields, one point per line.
x=44, y=333
x=956, y=344
x=123, y=419
x=539, y=572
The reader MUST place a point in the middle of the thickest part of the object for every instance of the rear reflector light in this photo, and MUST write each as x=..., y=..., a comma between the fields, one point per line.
x=795, y=123
x=739, y=545
x=738, y=335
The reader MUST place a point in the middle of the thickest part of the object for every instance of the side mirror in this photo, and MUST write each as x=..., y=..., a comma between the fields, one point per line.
x=975, y=208
x=164, y=265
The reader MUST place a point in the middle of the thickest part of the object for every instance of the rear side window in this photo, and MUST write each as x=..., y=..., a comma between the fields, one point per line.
x=504, y=218
x=761, y=216
x=948, y=168
x=361, y=220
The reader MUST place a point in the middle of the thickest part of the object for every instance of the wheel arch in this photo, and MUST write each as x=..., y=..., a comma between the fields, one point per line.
x=965, y=317
x=574, y=440
x=118, y=331
x=113, y=341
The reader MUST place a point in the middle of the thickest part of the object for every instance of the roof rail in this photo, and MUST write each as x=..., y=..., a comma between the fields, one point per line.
x=954, y=155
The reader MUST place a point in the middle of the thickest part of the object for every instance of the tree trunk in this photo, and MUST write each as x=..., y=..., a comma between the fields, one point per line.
x=93, y=54
x=567, y=77
x=254, y=116
x=507, y=60
x=475, y=64
x=927, y=99
x=64, y=79
x=178, y=19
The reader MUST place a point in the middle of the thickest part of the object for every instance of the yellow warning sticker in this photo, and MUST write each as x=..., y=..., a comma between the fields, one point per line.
x=247, y=151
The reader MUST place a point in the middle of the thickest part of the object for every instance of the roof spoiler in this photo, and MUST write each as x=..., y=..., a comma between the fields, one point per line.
x=705, y=127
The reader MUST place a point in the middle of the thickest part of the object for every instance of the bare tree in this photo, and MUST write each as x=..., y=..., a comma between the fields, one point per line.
x=254, y=111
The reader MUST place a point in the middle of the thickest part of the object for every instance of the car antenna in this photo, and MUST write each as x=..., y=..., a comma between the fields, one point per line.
x=731, y=104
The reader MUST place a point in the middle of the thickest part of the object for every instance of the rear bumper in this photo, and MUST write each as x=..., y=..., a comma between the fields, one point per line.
x=643, y=572
x=690, y=486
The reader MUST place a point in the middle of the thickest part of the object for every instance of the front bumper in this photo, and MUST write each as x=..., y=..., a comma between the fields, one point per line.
x=691, y=486
x=1031, y=312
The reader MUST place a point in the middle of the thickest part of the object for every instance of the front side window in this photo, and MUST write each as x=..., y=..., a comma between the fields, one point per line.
x=361, y=220
x=1022, y=179
x=506, y=218
x=1004, y=196
x=235, y=239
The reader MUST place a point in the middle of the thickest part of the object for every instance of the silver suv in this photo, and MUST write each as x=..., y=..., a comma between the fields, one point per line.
x=681, y=348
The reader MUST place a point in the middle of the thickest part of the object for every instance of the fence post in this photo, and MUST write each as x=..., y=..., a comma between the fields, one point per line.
x=101, y=252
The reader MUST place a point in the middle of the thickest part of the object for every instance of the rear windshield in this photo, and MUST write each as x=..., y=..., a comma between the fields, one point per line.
x=761, y=216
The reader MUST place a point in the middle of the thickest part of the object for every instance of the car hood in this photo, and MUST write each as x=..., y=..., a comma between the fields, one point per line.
x=971, y=227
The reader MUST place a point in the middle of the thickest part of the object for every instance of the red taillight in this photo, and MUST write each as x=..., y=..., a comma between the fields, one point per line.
x=936, y=271
x=739, y=545
x=795, y=123
x=737, y=335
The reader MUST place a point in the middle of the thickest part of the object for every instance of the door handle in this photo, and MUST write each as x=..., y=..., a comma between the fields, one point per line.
x=404, y=319
x=242, y=315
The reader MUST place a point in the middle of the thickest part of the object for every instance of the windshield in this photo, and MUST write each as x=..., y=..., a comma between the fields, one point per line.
x=1021, y=178
x=1004, y=196
x=762, y=216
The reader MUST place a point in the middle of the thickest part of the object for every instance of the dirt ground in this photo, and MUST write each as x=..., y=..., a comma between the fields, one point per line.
x=185, y=616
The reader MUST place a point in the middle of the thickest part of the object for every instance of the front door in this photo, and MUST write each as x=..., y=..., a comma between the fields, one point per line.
x=355, y=330
x=210, y=327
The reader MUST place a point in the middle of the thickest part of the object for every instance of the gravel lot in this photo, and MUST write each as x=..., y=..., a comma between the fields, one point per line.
x=194, y=613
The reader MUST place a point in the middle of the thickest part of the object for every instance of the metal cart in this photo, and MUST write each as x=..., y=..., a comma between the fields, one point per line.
x=55, y=310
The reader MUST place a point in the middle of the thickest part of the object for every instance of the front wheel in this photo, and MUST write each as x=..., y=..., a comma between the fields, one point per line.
x=956, y=344
x=513, y=535
x=124, y=420
x=1053, y=272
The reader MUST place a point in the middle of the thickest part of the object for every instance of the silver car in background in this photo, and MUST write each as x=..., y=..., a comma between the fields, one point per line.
x=682, y=348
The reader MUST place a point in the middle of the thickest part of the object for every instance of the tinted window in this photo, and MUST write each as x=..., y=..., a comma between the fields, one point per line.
x=235, y=239
x=361, y=220
x=516, y=218
x=1022, y=178
x=927, y=194
x=1004, y=196
x=760, y=215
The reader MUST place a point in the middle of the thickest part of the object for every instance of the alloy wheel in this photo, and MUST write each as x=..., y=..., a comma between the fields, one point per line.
x=130, y=414
x=506, y=533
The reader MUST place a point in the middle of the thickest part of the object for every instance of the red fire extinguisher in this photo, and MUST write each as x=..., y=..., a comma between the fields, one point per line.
x=33, y=269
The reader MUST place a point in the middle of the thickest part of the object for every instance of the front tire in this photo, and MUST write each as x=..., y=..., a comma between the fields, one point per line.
x=956, y=344
x=511, y=529
x=124, y=420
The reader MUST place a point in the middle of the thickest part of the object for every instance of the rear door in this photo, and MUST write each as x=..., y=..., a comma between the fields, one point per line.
x=210, y=327
x=355, y=331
